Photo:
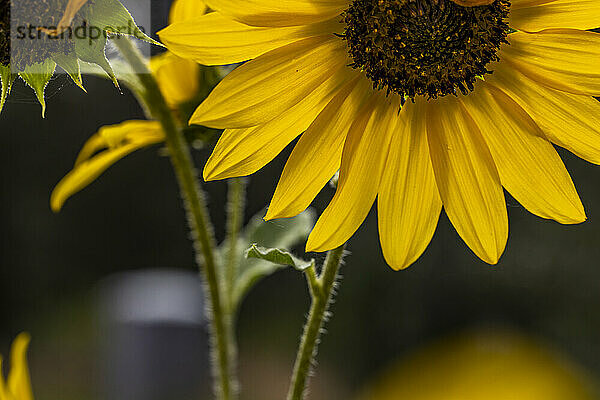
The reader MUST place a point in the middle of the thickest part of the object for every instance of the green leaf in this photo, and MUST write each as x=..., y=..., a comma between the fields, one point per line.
x=279, y=234
x=91, y=50
x=6, y=80
x=265, y=262
x=124, y=75
x=37, y=77
x=70, y=64
x=90, y=28
x=277, y=256
x=104, y=17
x=111, y=16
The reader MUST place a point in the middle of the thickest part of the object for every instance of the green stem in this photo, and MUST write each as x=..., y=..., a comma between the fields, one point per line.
x=195, y=205
x=322, y=292
x=235, y=220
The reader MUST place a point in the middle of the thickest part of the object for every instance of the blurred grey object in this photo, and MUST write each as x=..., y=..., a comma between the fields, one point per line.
x=152, y=337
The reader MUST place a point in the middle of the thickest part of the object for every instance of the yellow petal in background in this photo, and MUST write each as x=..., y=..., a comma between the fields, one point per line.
x=563, y=59
x=533, y=16
x=183, y=10
x=408, y=203
x=568, y=120
x=241, y=152
x=484, y=363
x=215, y=39
x=94, y=144
x=119, y=141
x=133, y=131
x=85, y=173
x=515, y=4
x=264, y=88
x=4, y=393
x=279, y=12
x=19, y=381
x=363, y=161
x=317, y=155
x=467, y=179
x=177, y=78
x=529, y=167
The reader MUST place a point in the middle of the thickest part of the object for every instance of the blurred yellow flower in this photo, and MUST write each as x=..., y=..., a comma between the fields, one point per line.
x=178, y=80
x=18, y=384
x=178, y=77
x=483, y=365
x=419, y=104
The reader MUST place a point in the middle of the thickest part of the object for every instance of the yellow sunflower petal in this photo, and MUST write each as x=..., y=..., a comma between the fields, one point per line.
x=363, y=161
x=515, y=4
x=132, y=131
x=4, y=393
x=563, y=59
x=177, y=78
x=183, y=10
x=467, y=179
x=529, y=167
x=120, y=140
x=568, y=120
x=318, y=154
x=279, y=12
x=241, y=152
x=19, y=382
x=93, y=145
x=264, y=88
x=533, y=16
x=408, y=203
x=86, y=173
x=214, y=39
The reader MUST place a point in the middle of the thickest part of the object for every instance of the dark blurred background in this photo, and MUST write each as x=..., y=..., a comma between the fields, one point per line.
x=546, y=285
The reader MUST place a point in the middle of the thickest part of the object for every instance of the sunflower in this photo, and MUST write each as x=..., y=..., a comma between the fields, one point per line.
x=18, y=384
x=37, y=36
x=420, y=105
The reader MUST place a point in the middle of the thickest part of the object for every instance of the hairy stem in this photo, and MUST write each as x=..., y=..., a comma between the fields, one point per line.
x=197, y=211
x=235, y=221
x=322, y=291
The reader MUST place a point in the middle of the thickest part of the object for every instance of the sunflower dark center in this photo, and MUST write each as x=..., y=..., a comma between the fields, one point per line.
x=428, y=48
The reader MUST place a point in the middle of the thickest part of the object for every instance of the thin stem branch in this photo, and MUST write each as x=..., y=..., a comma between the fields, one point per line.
x=195, y=205
x=322, y=294
x=313, y=281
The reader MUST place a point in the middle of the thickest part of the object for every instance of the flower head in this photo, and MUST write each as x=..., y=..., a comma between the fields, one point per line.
x=37, y=36
x=18, y=384
x=420, y=104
